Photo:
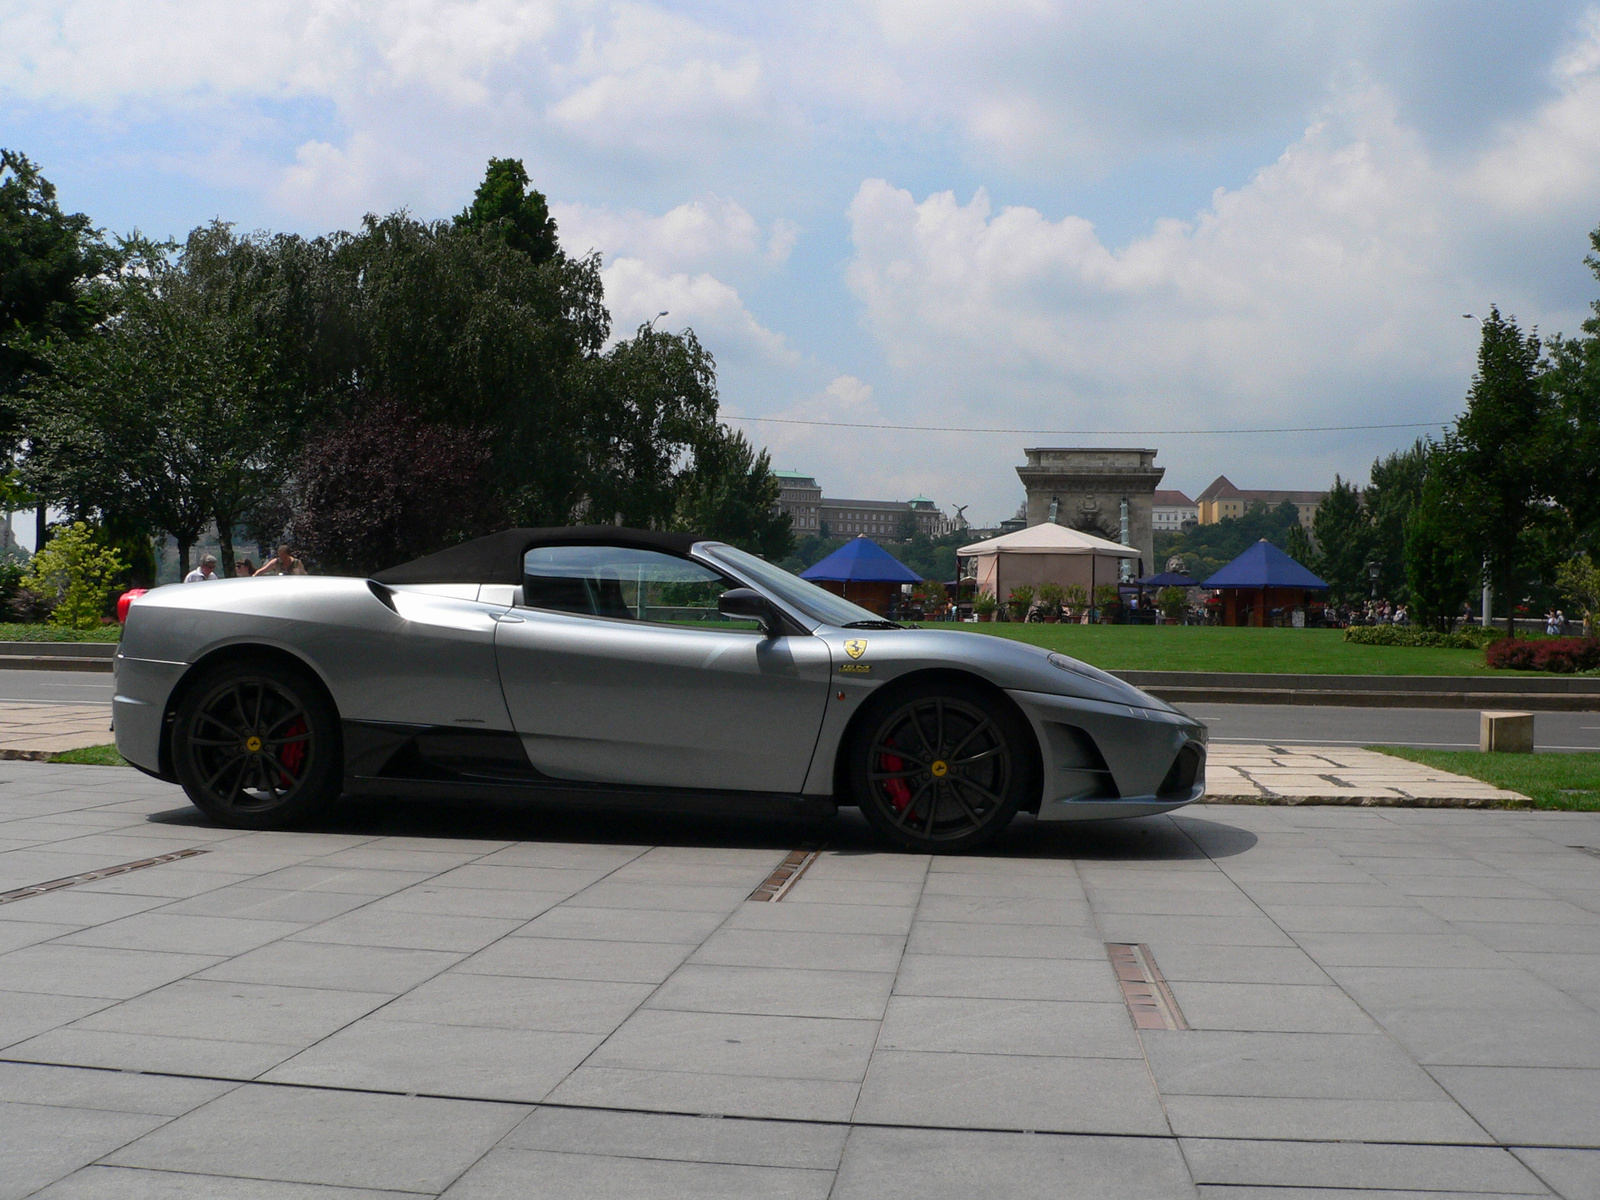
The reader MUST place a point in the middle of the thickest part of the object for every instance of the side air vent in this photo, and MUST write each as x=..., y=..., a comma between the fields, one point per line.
x=1081, y=770
x=1185, y=770
x=385, y=595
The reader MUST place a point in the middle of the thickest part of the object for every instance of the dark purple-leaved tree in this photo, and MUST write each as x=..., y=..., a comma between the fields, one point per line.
x=383, y=485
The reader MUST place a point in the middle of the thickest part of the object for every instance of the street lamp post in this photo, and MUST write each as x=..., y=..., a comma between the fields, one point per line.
x=1372, y=574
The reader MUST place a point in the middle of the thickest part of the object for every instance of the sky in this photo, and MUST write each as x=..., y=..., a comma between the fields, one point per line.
x=1108, y=223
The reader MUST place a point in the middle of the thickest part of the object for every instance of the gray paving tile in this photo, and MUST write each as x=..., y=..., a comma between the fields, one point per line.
x=410, y=931
x=890, y=893
x=1574, y=1174
x=132, y=1183
x=1409, y=950
x=40, y=1144
x=466, y=1061
x=723, y=1044
x=1005, y=941
x=24, y=1014
x=1313, y=918
x=1171, y=902
x=1006, y=910
x=438, y=857
x=16, y=934
x=1358, y=1165
x=312, y=877
x=272, y=904
x=690, y=1139
x=1012, y=1092
x=167, y=1053
x=310, y=1136
x=519, y=1002
x=1061, y=885
x=916, y=1164
x=1324, y=1065
x=487, y=876
x=333, y=965
x=233, y=1011
x=1228, y=1192
x=1006, y=978
x=468, y=902
x=161, y=883
x=1497, y=1037
x=676, y=896
x=788, y=948
x=69, y=1087
x=854, y=865
x=620, y=925
x=173, y=934
x=563, y=1176
x=1313, y=1119
x=776, y=991
x=1549, y=1106
x=1270, y=1007
x=574, y=958
x=94, y=971
x=1209, y=931
x=823, y=918
x=581, y=856
x=990, y=1026
x=1181, y=960
x=699, y=1092
x=78, y=906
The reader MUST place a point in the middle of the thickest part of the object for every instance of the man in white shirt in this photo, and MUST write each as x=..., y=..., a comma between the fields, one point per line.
x=206, y=570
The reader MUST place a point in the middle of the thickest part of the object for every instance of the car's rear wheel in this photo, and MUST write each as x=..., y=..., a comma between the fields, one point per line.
x=256, y=745
x=940, y=769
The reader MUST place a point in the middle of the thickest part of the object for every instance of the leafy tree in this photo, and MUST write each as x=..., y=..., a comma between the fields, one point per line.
x=1502, y=457
x=1440, y=566
x=1344, y=541
x=78, y=572
x=50, y=264
x=1572, y=380
x=1579, y=580
x=507, y=206
x=908, y=526
x=1297, y=545
x=731, y=493
x=383, y=486
x=1395, y=491
x=1206, y=548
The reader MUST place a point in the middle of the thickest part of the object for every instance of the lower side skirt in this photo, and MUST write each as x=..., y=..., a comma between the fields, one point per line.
x=665, y=800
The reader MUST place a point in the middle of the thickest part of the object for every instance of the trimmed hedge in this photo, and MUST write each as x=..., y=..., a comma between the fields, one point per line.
x=1563, y=656
x=1470, y=638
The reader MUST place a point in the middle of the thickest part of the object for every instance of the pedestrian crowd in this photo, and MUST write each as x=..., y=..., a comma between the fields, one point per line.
x=282, y=563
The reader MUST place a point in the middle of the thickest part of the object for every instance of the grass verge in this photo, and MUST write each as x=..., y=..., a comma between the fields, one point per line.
x=10, y=631
x=1219, y=648
x=1560, y=781
x=91, y=756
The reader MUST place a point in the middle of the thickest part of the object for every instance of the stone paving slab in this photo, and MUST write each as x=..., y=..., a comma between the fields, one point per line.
x=427, y=1000
x=36, y=731
x=1307, y=775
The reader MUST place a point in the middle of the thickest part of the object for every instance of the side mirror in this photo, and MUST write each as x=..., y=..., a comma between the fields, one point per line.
x=744, y=604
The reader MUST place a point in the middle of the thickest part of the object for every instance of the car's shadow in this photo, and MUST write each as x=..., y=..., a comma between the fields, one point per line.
x=1132, y=839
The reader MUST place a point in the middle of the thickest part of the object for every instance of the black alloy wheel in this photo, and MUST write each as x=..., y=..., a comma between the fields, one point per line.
x=256, y=745
x=942, y=769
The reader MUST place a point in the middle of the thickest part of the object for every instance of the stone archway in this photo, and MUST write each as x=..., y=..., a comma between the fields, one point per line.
x=1087, y=485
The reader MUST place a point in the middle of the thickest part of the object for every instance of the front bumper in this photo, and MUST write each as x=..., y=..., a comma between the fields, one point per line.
x=1113, y=760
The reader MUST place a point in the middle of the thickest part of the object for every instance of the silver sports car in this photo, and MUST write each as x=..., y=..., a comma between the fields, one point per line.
x=613, y=666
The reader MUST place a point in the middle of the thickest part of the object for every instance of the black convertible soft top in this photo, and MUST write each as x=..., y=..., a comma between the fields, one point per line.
x=498, y=557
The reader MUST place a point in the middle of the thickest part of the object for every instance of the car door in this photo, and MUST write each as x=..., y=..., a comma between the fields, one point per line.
x=617, y=668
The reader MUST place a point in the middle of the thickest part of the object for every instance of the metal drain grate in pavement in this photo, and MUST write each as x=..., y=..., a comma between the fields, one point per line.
x=1149, y=998
x=55, y=885
x=777, y=885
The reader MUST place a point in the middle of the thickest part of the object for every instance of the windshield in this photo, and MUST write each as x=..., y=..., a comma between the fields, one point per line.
x=816, y=603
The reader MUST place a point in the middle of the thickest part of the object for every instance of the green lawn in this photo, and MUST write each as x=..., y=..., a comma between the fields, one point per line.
x=1568, y=781
x=1216, y=648
x=92, y=756
x=10, y=631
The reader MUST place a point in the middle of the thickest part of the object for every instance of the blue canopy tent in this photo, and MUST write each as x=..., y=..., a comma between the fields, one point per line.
x=1261, y=581
x=1167, y=579
x=864, y=572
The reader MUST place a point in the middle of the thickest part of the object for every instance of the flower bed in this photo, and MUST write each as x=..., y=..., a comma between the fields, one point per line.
x=1470, y=638
x=1563, y=656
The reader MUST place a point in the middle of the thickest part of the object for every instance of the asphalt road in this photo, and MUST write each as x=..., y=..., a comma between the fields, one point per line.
x=1445, y=728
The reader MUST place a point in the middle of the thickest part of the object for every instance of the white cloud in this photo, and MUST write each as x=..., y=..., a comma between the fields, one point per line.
x=635, y=293
x=706, y=232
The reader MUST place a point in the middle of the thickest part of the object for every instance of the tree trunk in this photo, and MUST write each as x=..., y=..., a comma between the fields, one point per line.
x=41, y=527
x=185, y=545
x=225, y=546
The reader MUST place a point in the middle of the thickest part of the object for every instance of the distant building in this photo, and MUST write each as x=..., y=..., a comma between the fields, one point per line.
x=1222, y=499
x=1171, y=511
x=800, y=496
x=1095, y=489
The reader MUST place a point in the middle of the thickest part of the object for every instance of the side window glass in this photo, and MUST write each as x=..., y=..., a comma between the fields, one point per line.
x=625, y=584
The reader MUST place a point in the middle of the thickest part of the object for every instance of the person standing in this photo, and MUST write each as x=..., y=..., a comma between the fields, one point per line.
x=244, y=568
x=283, y=563
x=206, y=570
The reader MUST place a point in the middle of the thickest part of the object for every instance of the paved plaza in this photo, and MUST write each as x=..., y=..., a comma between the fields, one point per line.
x=425, y=999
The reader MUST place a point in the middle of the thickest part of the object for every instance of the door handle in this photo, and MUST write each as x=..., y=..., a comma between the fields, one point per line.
x=508, y=619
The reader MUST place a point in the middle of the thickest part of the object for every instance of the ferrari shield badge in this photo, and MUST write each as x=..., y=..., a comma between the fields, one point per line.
x=856, y=647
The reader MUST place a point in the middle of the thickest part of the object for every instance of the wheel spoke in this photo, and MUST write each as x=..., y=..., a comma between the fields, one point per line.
x=972, y=733
x=978, y=757
x=939, y=727
x=922, y=734
x=293, y=713
x=911, y=805
x=896, y=752
x=287, y=741
x=219, y=723
x=955, y=791
x=284, y=772
x=223, y=769
x=894, y=774
x=933, y=812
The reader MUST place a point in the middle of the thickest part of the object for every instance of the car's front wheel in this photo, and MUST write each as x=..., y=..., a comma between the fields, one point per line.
x=942, y=768
x=256, y=745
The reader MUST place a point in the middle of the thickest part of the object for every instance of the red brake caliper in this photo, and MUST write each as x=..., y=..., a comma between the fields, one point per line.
x=899, y=792
x=293, y=756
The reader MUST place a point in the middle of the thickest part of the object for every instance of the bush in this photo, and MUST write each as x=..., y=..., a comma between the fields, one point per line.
x=984, y=604
x=1021, y=600
x=1050, y=595
x=76, y=572
x=1562, y=656
x=1400, y=635
x=1173, y=601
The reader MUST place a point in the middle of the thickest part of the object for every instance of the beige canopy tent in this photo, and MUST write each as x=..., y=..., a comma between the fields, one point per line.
x=1045, y=554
